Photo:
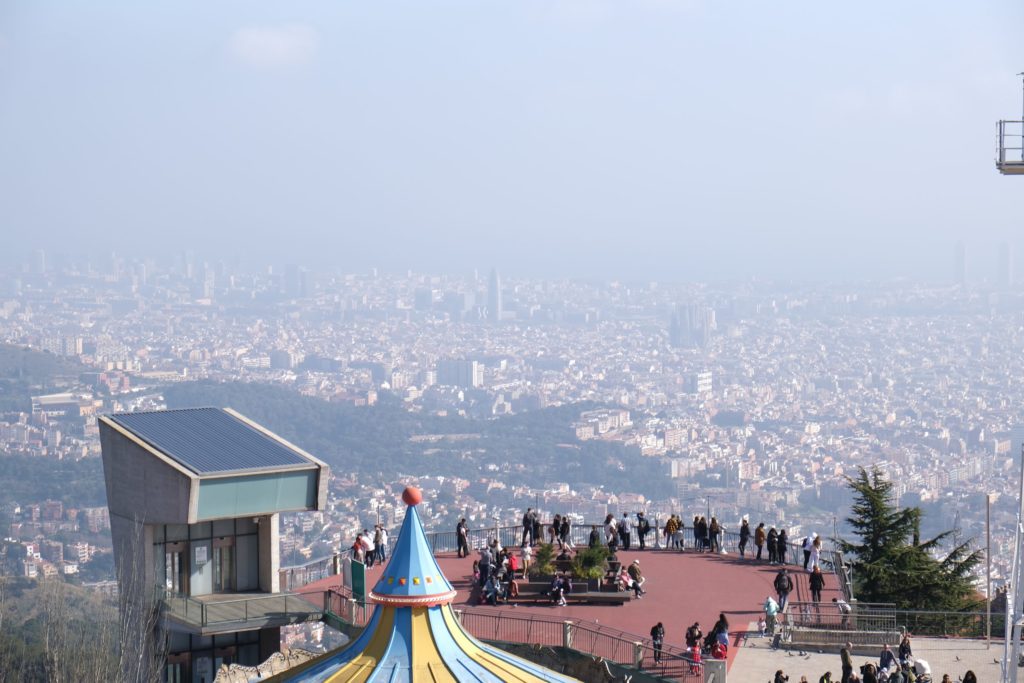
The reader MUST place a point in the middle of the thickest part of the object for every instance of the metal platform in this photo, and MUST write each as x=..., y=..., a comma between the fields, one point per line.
x=1010, y=149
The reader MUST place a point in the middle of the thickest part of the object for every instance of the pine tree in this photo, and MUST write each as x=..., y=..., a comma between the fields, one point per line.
x=892, y=564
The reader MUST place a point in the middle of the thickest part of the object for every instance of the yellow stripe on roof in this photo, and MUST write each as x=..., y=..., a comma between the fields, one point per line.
x=427, y=663
x=502, y=669
x=360, y=668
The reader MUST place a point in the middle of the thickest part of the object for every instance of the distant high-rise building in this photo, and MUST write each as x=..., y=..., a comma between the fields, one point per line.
x=296, y=282
x=495, y=309
x=691, y=326
x=466, y=374
x=1004, y=261
x=960, y=264
x=39, y=262
x=423, y=299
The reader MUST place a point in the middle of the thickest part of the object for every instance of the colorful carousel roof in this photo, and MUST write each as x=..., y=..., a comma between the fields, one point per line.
x=413, y=634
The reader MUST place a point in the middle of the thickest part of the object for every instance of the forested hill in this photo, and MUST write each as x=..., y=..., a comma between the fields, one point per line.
x=377, y=442
x=25, y=371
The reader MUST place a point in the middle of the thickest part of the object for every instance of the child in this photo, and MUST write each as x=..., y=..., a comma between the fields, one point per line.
x=695, y=662
x=762, y=626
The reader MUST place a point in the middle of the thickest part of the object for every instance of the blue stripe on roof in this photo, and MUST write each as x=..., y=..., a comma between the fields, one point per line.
x=209, y=440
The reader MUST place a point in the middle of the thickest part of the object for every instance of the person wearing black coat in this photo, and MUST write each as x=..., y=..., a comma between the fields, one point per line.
x=781, y=546
x=817, y=584
x=658, y=639
x=744, y=537
x=773, y=549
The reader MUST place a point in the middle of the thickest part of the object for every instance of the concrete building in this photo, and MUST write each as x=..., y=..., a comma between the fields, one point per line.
x=465, y=374
x=194, y=498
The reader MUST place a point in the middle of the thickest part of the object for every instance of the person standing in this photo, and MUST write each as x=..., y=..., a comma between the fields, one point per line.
x=642, y=527
x=886, y=658
x=382, y=545
x=670, y=532
x=527, y=526
x=773, y=548
x=905, y=653
x=368, y=548
x=744, y=537
x=783, y=586
x=782, y=546
x=565, y=533
x=713, y=531
x=554, y=531
x=462, y=536
x=658, y=639
x=847, y=661
x=816, y=552
x=526, y=556
x=693, y=637
x=771, y=609
x=807, y=545
x=537, y=538
x=759, y=538
x=611, y=532
x=817, y=584
x=624, y=531
x=595, y=537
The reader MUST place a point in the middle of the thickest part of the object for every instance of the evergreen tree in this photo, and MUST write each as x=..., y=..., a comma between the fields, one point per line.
x=892, y=564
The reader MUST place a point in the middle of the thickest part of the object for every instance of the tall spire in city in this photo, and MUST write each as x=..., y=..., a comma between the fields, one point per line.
x=494, y=303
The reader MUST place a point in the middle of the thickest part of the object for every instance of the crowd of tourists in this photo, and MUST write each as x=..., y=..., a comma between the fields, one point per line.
x=892, y=667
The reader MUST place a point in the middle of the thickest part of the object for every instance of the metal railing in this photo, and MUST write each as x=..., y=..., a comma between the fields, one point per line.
x=340, y=603
x=263, y=606
x=957, y=624
x=616, y=646
x=1008, y=134
x=826, y=616
x=299, y=575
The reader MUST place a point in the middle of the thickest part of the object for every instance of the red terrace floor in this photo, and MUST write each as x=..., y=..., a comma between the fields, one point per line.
x=681, y=588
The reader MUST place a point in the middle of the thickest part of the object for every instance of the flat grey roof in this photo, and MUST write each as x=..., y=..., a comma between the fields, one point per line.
x=210, y=440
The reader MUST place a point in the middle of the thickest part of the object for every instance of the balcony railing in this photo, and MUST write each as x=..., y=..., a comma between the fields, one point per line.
x=259, y=608
x=1010, y=147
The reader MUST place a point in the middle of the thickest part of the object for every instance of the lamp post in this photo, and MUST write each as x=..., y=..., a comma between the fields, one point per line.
x=988, y=571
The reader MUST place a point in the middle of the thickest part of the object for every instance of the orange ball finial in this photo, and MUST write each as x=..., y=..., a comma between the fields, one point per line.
x=412, y=496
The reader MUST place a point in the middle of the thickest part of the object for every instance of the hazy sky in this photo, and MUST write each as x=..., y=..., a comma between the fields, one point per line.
x=680, y=139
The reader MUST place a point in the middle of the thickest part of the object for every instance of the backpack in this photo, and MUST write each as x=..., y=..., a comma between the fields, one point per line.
x=781, y=583
x=645, y=526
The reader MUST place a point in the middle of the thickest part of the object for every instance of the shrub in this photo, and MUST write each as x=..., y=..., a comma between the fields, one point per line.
x=543, y=561
x=590, y=563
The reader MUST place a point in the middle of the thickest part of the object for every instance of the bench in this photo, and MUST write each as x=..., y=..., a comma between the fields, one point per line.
x=536, y=591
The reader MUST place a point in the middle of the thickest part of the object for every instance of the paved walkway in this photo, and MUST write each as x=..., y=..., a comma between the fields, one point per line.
x=756, y=662
x=682, y=587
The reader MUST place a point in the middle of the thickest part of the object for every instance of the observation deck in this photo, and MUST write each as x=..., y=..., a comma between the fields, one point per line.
x=1010, y=150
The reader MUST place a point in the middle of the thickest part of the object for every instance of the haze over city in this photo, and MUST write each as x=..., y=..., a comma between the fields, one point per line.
x=394, y=339
x=658, y=139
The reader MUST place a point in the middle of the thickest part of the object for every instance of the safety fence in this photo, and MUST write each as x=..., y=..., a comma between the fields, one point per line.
x=831, y=561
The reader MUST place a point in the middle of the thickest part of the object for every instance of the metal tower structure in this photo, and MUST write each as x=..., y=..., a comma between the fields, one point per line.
x=1010, y=158
x=1010, y=161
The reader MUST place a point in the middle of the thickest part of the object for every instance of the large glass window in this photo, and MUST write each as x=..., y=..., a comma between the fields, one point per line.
x=217, y=557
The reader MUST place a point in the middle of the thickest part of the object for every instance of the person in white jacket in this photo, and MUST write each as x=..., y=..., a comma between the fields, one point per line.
x=815, y=558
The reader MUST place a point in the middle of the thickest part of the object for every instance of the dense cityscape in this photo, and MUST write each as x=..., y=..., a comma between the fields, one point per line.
x=750, y=399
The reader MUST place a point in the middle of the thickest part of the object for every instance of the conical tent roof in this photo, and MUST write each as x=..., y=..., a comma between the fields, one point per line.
x=412, y=577
x=413, y=634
